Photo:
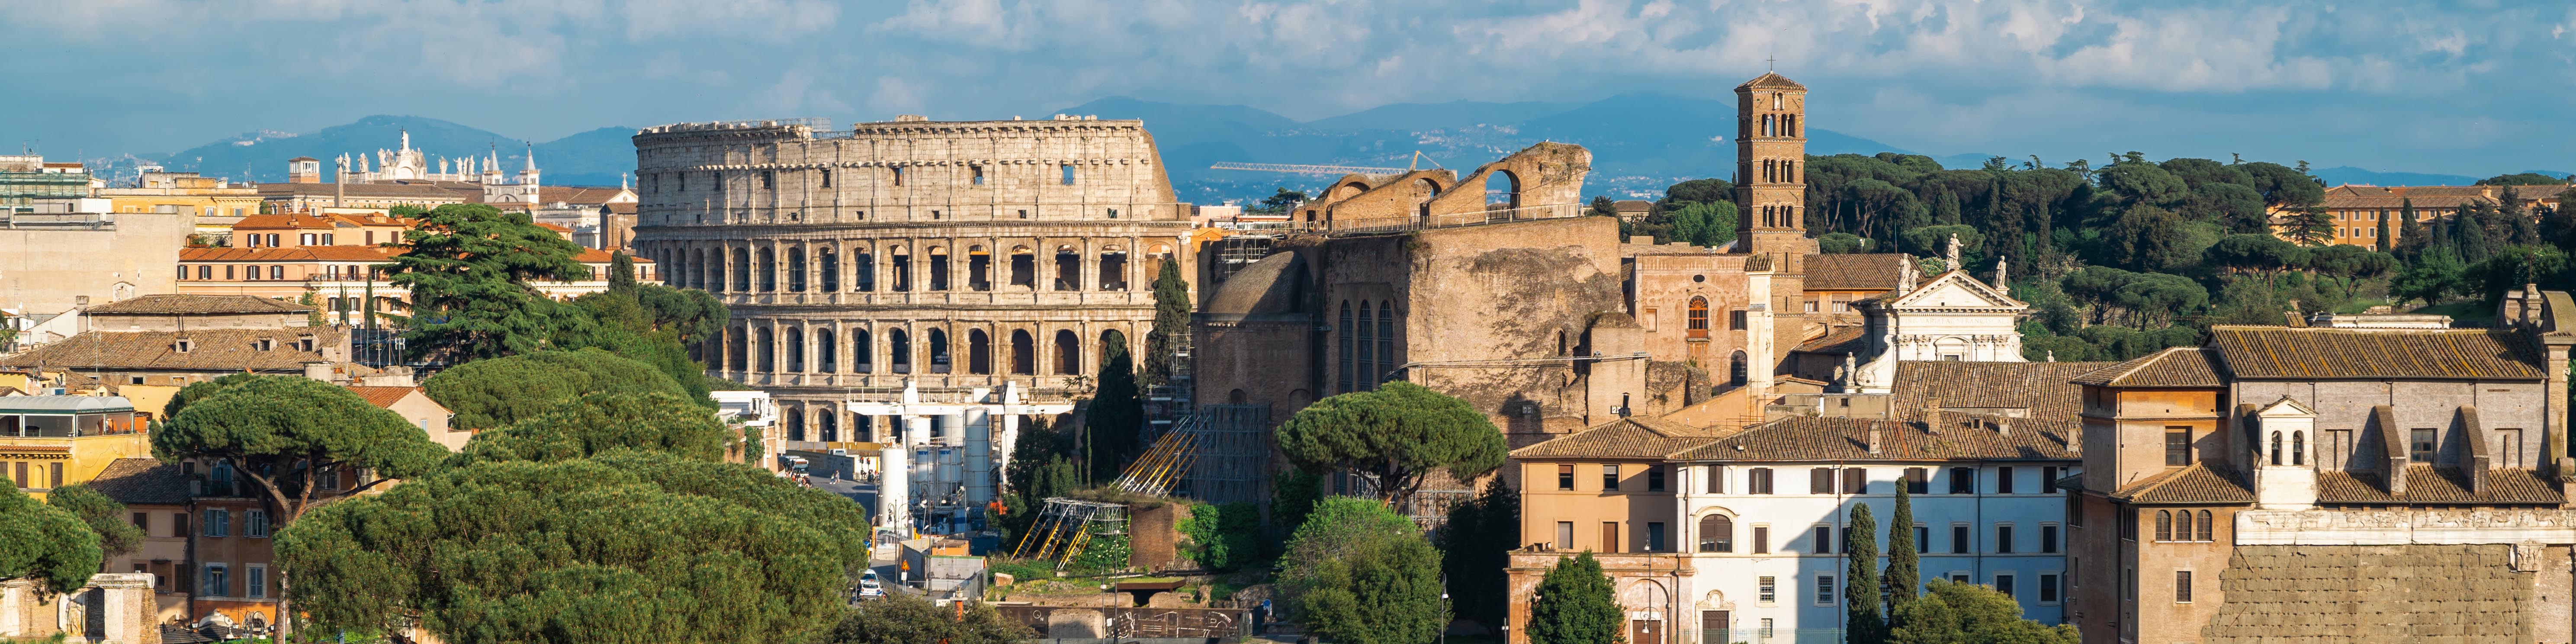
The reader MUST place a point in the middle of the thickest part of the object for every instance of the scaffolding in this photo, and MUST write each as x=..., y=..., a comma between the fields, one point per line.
x=1162, y=465
x=1229, y=454
x=1066, y=526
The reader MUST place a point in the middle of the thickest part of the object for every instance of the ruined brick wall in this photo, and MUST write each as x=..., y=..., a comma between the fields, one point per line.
x=1663, y=286
x=1397, y=198
x=2438, y=594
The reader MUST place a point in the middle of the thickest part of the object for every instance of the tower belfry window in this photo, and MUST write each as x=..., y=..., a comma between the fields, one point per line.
x=1775, y=100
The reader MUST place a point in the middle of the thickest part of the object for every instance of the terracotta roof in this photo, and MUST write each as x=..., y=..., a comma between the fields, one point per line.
x=1632, y=205
x=2430, y=484
x=1771, y=80
x=1628, y=438
x=2040, y=387
x=303, y=159
x=621, y=208
x=338, y=253
x=1854, y=272
x=382, y=396
x=603, y=256
x=576, y=195
x=284, y=222
x=2174, y=367
x=142, y=481
x=2196, y=484
x=1952, y=436
x=2281, y=352
x=553, y=227
x=210, y=350
x=196, y=304
x=1841, y=341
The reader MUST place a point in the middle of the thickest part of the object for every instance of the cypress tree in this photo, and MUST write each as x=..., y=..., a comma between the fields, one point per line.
x=1904, y=574
x=621, y=273
x=2387, y=240
x=1863, y=624
x=1171, y=321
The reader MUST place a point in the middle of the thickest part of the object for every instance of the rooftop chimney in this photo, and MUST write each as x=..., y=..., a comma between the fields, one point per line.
x=1873, y=439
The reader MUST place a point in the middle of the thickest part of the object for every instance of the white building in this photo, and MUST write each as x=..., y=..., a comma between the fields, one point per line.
x=1765, y=516
x=951, y=452
x=1952, y=316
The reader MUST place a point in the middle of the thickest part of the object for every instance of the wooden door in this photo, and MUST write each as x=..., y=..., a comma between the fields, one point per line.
x=1712, y=627
x=1609, y=536
x=1645, y=631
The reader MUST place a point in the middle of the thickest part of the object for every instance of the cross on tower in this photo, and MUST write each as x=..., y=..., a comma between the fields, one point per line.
x=1773, y=61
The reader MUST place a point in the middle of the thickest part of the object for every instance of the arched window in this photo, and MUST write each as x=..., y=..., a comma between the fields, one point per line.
x=741, y=271
x=1367, y=369
x=1068, y=354
x=899, y=350
x=1068, y=268
x=795, y=424
x=735, y=351
x=1112, y=345
x=938, y=268
x=1237, y=397
x=827, y=354
x=1716, y=534
x=2298, y=448
x=1024, y=354
x=768, y=271
x=1738, y=371
x=829, y=423
x=863, y=271
x=796, y=270
x=768, y=348
x=830, y=262
x=1698, y=317
x=2205, y=531
x=979, y=353
x=699, y=280
x=1343, y=339
x=795, y=350
x=938, y=350
x=1385, y=343
x=862, y=352
x=2164, y=524
x=2276, y=448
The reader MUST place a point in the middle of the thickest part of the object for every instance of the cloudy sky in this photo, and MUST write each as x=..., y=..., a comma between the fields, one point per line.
x=2470, y=87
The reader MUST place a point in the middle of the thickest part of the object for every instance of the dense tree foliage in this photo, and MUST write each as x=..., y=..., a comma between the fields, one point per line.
x=44, y=543
x=1400, y=433
x=627, y=546
x=1358, y=572
x=1699, y=211
x=598, y=423
x=649, y=323
x=1904, y=565
x=289, y=436
x=1293, y=496
x=491, y=393
x=1574, y=605
x=1113, y=425
x=1171, y=321
x=469, y=268
x=117, y=534
x=1224, y=537
x=1970, y=614
x=1862, y=621
x=1038, y=470
x=1476, y=541
x=902, y=618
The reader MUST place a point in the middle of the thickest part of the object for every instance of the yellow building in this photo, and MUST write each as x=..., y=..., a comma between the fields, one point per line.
x=215, y=203
x=48, y=442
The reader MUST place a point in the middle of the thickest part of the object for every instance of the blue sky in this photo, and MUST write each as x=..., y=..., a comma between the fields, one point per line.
x=2457, y=87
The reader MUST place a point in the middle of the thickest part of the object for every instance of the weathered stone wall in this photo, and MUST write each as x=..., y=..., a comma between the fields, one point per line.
x=2416, y=593
x=1516, y=290
x=1663, y=285
x=112, y=607
x=2346, y=406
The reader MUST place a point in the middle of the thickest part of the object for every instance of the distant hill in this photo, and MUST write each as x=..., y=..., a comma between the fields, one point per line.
x=593, y=158
x=2341, y=175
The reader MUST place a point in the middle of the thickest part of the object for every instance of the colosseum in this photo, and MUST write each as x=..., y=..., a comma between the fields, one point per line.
x=914, y=282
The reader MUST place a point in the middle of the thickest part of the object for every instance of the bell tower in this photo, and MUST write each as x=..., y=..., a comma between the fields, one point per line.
x=1771, y=168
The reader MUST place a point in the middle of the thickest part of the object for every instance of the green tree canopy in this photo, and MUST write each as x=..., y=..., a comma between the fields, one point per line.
x=627, y=546
x=469, y=268
x=289, y=434
x=44, y=543
x=1171, y=320
x=2255, y=252
x=2523, y=179
x=1113, y=424
x=903, y=618
x=2433, y=277
x=1862, y=621
x=117, y=535
x=1842, y=243
x=1696, y=191
x=1904, y=565
x=1476, y=541
x=1705, y=224
x=1400, y=432
x=601, y=422
x=1358, y=572
x=1223, y=537
x=1575, y=605
x=1970, y=614
x=491, y=393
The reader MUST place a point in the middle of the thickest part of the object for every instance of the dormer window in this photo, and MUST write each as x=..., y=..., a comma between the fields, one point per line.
x=304, y=344
x=184, y=345
x=266, y=344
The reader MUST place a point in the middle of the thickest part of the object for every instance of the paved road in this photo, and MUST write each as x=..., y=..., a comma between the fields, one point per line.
x=863, y=493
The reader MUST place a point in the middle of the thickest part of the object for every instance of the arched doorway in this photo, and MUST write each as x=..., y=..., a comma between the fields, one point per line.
x=979, y=353
x=1024, y=354
x=1068, y=354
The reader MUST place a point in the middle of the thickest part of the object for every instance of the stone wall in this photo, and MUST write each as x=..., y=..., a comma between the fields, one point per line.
x=113, y=607
x=2437, y=594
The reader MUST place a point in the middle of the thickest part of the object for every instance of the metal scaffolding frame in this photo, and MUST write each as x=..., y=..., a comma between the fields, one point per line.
x=1066, y=526
x=1230, y=456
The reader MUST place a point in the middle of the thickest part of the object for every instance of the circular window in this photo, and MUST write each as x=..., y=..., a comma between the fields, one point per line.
x=1699, y=278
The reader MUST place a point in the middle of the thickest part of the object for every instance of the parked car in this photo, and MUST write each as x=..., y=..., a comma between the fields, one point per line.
x=870, y=586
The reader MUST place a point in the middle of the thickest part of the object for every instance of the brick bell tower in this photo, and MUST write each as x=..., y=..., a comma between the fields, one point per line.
x=1771, y=170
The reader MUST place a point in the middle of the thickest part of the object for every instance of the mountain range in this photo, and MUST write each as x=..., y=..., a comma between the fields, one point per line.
x=1640, y=143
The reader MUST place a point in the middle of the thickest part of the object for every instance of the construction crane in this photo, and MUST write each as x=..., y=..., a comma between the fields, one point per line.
x=1414, y=164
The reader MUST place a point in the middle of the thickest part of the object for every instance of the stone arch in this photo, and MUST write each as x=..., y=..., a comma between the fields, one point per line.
x=1715, y=532
x=937, y=344
x=1426, y=190
x=979, y=353
x=795, y=350
x=1510, y=192
x=1237, y=397
x=1347, y=190
x=767, y=346
x=1024, y=353
x=796, y=269
x=1738, y=369
x=1646, y=595
x=899, y=350
x=768, y=270
x=827, y=351
x=827, y=423
x=862, y=351
x=1068, y=353
x=2298, y=447
x=828, y=261
x=795, y=421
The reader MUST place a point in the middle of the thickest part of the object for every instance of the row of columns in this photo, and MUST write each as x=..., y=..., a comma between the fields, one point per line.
x=773, y=265
x=776, y=346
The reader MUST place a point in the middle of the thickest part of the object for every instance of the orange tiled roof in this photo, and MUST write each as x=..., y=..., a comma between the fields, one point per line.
x=2430, y=484
x=2196, y=484
x=2042, y=388
x=1951, y=436
x=382, y=396
x=166, y=304
x=1770, y=80
x=211, y=350
x=2174, y=367
x=296, y=254
x=1626, y=438
x=283, y=222
x=601, y=256
x=2282, y=352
